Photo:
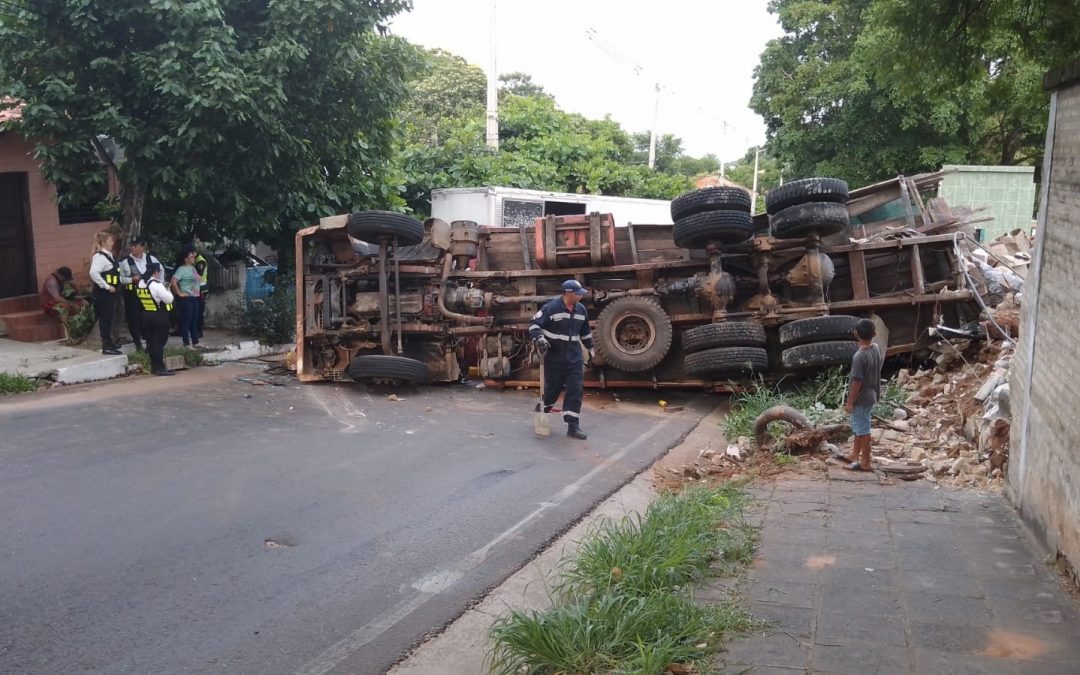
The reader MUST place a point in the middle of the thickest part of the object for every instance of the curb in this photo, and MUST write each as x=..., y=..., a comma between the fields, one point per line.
x=245, y=350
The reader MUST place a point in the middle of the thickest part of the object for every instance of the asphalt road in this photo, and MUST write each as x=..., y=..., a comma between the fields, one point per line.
x=205, y=524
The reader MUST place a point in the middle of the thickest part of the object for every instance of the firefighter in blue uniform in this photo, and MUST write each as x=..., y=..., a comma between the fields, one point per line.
x=559, y=330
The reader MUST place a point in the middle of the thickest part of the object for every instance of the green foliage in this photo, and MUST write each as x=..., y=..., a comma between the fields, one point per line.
x=192, y=358
x=245, y=117
x=742, y=172
x=821, y=398
x=520, y=84
x=78, y=321
x=448, y=91
x=16, y=384
x=844, y=94
x=623, y=605
x=272, y=321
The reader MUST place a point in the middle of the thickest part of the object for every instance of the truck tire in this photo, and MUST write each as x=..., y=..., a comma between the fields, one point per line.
x=820, y=218
x=806, y=190
x=819, y=354
x=726, y=361
x=818, y=329
x=710, y=199
x=396, y=368
x=727, y=334
x=633, y=334
x=723, y=227
x=371, y=226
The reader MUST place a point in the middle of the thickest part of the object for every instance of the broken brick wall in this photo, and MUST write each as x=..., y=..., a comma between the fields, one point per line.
x=1044, y=464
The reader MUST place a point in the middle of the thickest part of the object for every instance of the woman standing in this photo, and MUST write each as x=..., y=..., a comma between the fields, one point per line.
x=185, y=286
x=105, y=274
x=155, y=301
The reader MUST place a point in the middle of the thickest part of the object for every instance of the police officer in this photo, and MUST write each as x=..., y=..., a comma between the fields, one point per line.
x=559, y=329
x=204, y=287
x=155, y=303
x=105, y=274
x=132, y=269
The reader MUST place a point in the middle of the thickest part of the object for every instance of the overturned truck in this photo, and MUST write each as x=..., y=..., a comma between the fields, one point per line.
x=716, y=298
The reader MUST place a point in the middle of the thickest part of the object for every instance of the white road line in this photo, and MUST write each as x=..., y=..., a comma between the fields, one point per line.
x=344, y=648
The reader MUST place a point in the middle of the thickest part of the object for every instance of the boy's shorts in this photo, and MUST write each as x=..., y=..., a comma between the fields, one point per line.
x=860, y=420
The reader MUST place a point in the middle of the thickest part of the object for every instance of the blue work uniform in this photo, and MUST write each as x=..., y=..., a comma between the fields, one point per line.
x=564, y=365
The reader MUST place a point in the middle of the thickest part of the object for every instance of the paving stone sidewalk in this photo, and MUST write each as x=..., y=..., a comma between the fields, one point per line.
x=858, y=577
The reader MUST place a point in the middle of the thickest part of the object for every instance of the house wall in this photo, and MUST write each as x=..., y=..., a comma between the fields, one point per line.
x=1007, y=192
x=1044, y=462
x=54, y=245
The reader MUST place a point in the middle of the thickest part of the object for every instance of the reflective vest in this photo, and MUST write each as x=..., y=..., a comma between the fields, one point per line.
x=133, y=269
x=111, y=276
x=147, y=301
x=204, y=274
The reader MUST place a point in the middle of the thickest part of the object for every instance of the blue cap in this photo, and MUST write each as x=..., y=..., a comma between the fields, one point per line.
x=572, y=286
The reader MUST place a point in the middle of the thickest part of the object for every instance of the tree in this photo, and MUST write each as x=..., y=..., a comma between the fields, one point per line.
x=448, y=90
x=520, y=84
x=833, y=104
x=247, y=113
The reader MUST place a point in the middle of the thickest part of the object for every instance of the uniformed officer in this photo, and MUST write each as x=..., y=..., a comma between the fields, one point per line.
x=559, y=329
x=155, y=303
x=204, y=288
x=105, y=274
x=132, y=269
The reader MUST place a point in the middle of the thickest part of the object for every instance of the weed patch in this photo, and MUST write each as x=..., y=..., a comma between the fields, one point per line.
x=623, y=603
x=16, y=384
x=192, y=358
x=820, y=398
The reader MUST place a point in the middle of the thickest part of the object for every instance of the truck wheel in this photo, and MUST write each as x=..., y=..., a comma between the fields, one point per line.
x=728, y=334
x=633, y=334
x=821, y=218
x=371, y=226
x=818, y=329
x=723, y=227
x=726, y=361
x=392, y=368
x=710, y=199
x=804, y=191
x=819, y=354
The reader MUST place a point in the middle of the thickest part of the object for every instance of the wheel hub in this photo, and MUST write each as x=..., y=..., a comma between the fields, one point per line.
x=633, y=334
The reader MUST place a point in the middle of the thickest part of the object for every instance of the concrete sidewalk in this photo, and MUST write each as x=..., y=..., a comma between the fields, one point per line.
x=862, y=578
x=70, y=365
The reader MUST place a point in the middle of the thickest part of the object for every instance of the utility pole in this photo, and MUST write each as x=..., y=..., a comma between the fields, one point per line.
x=655, y=122
x=492, y=133
x=753, y=193
x=723, y=146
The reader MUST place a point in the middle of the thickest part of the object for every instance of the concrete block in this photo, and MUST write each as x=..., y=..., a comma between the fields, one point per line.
x=91, y=369
x=245, y=350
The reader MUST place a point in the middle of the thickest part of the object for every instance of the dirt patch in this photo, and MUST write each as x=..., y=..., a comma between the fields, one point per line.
x=819, y=562
x=1003, y=644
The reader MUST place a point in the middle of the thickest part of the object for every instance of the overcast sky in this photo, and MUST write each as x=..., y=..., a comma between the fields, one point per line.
x=702, y=52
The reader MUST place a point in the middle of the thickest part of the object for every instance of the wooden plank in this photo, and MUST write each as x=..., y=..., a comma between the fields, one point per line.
x=633, y=243
x=860, y=288
x=918, y=283
x=902, y=300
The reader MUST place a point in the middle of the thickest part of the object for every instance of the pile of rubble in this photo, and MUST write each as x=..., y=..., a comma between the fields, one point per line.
x=956, y=421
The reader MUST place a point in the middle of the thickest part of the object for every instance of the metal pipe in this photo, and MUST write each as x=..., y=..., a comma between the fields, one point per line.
x=384, y=303
x=610, y=295
x=446, y=313
x=397, y=296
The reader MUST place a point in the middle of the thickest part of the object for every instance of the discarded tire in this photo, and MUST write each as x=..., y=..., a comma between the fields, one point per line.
x=818, y=329
x=820, y=218
x=819, y=354
x=710, y=199
x=395, y=368
x=726, y=361
x=371, y=226
x=727, y=334
x=633, y=334
x=804, y=191
x=722, y=227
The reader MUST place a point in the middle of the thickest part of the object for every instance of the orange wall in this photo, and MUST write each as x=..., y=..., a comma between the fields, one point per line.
x=55, y=245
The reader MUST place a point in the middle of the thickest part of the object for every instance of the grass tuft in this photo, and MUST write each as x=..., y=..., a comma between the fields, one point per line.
x=623, y=604
x=16, y=384
x=192, y=358
x=821, y=398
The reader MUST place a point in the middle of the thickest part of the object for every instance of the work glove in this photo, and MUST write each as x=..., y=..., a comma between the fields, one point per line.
x=542, y=345
x=592, y=356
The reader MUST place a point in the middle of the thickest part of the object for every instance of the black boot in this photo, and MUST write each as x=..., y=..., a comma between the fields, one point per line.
x=574, y=431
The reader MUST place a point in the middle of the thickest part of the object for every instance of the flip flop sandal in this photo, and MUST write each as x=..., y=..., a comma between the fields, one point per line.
x=855, y=466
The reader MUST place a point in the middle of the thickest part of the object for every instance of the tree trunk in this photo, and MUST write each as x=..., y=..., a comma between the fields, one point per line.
x=132, y=199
